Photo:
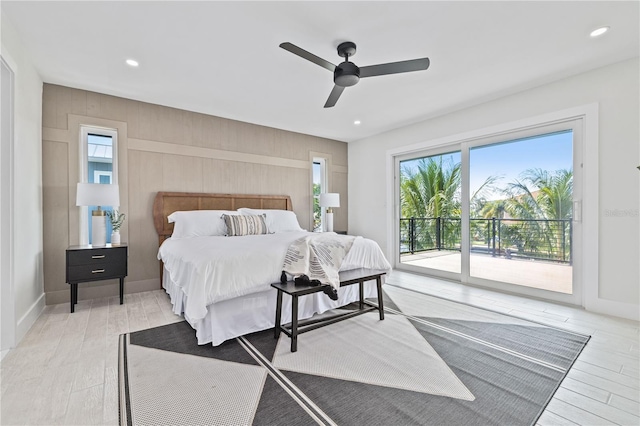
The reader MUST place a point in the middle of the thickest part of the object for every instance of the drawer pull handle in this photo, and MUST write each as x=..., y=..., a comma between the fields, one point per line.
x=97, y=271
x=102, y=256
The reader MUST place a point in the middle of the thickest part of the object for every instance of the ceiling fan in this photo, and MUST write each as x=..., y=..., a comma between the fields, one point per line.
x=348, y=74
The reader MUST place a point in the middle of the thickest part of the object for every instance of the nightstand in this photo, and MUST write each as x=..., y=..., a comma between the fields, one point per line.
x=341, y=232
x=88, y=264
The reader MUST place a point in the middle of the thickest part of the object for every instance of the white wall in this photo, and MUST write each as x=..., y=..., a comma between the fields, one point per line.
x=27, y=182
x=615, y=89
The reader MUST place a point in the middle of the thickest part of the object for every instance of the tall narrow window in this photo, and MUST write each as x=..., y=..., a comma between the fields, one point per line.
x=319, y=186
x=98, y=154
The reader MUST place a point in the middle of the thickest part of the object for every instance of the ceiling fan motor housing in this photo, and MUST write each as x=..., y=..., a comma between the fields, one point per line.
x=346, y=74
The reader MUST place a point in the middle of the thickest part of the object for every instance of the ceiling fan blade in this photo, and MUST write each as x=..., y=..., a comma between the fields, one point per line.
x=334, y=96
x=308, y=56
x=395, y=67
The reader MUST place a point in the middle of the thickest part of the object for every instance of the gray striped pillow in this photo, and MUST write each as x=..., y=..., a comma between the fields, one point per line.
x=240, y=225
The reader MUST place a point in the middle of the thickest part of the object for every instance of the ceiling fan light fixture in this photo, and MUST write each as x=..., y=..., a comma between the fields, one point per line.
x=599, y=31
x=132, y=62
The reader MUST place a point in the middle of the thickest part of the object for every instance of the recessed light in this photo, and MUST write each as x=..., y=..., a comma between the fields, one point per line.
x=599, y=31
x=357, y=122
x=132, y=62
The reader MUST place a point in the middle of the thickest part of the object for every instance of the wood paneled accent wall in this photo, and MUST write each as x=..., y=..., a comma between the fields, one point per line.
x=166, y=149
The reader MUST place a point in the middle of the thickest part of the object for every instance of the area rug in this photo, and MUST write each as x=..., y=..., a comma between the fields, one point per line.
x=429, y=362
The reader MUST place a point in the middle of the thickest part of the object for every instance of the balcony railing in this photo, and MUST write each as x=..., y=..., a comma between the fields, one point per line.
x=539, y=239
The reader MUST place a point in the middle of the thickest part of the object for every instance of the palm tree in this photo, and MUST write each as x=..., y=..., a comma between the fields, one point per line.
x=493, y=208
x=428, y=193
x=552, y=199
x=544, y=196
x=432, y=190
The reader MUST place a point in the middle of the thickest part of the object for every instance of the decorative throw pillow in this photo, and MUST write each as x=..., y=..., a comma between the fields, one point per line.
x=277, y=220
x=241, y=225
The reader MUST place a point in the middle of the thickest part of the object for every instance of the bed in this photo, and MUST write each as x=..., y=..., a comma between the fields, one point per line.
x=222, y=284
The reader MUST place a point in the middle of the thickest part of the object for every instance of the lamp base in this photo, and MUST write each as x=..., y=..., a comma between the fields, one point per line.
x=329, y=220
x=98, y=231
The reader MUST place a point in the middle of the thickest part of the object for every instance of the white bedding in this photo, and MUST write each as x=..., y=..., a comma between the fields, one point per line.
x=211, y=270
x=256, y=311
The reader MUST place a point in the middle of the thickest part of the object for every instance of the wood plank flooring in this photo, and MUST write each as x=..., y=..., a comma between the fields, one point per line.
x=65, y=369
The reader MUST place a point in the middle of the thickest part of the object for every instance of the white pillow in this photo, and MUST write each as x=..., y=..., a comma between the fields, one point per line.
x=198, y=223
x=277, y=220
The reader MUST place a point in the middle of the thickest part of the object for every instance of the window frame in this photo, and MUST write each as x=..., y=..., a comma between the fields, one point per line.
x=85, y=131
x=324, y=188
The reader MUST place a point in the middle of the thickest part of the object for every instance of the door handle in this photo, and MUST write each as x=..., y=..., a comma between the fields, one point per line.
x=577, y=211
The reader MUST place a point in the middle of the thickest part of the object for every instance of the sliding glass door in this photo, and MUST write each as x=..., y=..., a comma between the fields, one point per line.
x=520, y=220
x=496, y=211
x=430, y=201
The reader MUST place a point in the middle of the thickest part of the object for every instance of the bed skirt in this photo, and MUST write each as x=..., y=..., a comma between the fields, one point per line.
x=256, y=312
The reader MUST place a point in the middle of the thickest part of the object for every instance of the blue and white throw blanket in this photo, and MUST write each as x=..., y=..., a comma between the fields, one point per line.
x=319, y=256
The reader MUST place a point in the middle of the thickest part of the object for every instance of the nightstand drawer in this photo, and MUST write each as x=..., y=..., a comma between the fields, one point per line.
x=102, y=271
x=87, y=264
x=97, y=256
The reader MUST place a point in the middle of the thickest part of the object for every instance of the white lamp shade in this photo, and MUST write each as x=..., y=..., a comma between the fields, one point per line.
x=329, y=199
x=97, y=194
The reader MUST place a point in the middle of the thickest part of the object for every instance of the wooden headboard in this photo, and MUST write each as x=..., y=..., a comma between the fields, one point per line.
x=169, y=202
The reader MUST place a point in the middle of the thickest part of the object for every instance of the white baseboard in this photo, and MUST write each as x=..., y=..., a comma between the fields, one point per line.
x=29, y=318
x=617, y=309
x=3, y=353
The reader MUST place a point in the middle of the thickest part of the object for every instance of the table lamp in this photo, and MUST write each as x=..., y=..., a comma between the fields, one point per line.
x=98, y=194
x=329, y=200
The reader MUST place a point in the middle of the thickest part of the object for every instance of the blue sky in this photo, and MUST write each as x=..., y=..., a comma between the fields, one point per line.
x=508, y=160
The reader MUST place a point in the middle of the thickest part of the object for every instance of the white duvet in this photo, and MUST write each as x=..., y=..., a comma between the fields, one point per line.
x=212, y=269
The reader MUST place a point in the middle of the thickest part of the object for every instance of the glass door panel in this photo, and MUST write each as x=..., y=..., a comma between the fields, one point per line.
x=430, y=212
x=520, y=212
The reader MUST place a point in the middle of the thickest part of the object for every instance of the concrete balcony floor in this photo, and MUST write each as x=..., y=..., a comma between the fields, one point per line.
x=529, y=273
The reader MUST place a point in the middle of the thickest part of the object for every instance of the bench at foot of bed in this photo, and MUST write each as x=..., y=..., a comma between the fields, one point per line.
x=354, y=276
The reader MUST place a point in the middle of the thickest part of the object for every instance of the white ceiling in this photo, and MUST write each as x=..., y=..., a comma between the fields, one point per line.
x=222, y=58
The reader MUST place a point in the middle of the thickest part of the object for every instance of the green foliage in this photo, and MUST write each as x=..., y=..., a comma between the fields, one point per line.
x=545, y=197
x=433, y=190
x=317, y=210
x=116, y=218
x=529, y=214
x=552, y=199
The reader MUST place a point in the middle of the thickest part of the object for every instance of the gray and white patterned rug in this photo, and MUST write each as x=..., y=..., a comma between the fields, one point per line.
x=430, y=362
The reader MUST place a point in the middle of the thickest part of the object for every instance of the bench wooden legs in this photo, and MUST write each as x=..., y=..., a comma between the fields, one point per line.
x=306, y=325
x=380, y=303
x=294, y=320
x=276, y=330
x=294, y=323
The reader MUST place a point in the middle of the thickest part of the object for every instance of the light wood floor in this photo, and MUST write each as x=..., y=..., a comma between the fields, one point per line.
x=65, y=369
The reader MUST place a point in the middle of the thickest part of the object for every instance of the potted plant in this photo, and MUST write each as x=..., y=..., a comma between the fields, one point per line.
x=117, y=219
